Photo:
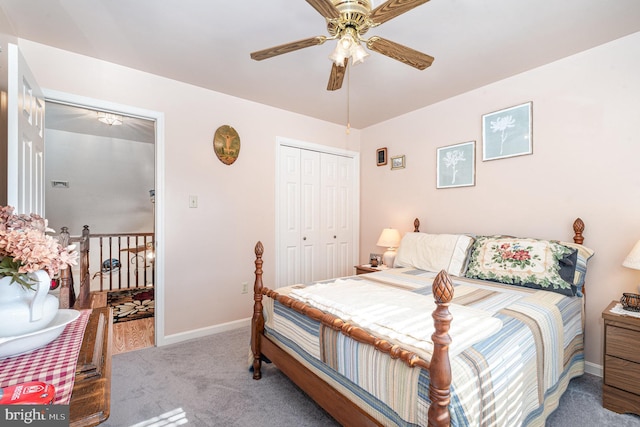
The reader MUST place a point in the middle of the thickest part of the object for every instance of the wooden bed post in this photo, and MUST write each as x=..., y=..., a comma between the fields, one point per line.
x=257, y=321
x=440, y=371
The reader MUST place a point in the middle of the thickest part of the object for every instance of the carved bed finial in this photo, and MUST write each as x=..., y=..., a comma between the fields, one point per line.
x=416, y=225
x=259, y=249
x=442, y=288
x=578, y=228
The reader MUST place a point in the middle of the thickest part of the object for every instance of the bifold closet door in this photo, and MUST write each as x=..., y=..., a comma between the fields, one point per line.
x=336, y=219
x=315, y=216
x=299, y=215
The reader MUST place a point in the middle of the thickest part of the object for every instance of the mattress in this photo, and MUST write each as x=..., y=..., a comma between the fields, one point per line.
x=513, y=376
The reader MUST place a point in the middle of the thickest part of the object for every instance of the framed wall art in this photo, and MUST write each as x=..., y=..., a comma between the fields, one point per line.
x=507, y=133
x=456, y=165
x=381, y=156
x=397, y=162
x=226, y=144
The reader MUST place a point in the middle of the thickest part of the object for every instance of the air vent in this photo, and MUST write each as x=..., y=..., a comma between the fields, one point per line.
x=60, y=184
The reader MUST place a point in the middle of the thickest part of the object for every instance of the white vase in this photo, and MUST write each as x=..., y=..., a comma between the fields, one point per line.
x=25, y=310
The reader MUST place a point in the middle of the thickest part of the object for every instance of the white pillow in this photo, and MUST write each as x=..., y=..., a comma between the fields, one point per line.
x=434, y=252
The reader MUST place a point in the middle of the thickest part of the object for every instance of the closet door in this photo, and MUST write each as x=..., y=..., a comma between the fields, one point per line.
x=337, y=215
x=299, y=216
x=311, y=260
x=315, y=216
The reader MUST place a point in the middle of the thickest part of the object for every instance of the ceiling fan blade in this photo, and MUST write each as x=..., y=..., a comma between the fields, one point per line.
x=337, y=75
x=325, y=8
x=400, y=53
x=287, y=47
x=392, y=8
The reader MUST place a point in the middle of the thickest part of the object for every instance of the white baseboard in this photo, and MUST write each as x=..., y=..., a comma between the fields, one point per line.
x=592, y=368
x=203, y=332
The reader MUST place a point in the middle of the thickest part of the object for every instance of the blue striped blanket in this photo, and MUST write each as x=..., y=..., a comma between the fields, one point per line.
x=512, y=377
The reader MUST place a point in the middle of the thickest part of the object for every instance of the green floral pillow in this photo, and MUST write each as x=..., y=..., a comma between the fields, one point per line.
x=525, y=262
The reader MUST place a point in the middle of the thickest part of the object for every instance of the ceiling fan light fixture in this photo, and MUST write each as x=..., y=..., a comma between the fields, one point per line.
x=348, y=46
x=358, y=54
x=338, y=55
x=347, y=41
x=110, y=118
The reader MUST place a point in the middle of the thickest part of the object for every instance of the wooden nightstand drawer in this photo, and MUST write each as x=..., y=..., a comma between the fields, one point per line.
x=620, y=343
x=620, y=401
x=622, y=374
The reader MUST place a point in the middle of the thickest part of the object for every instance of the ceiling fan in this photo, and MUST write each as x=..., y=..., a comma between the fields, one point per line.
x=347, y=22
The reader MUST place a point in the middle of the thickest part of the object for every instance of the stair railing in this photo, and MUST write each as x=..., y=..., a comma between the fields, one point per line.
x=113, y=272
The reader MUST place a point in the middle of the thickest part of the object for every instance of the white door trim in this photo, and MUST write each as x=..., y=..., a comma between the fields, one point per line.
x=158, y=117
x=355, y=156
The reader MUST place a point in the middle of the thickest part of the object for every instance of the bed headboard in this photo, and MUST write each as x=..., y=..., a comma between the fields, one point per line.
x=578, y=228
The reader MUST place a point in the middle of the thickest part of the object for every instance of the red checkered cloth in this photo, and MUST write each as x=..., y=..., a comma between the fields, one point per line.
x=54, y=363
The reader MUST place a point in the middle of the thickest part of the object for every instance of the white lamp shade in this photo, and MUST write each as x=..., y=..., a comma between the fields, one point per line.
x=633, y=259
x=358, y=54
x=389, y=238
x=338, y=56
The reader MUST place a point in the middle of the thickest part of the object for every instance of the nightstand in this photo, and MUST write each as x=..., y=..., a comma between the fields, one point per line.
x=363, y=269
x=621, y=382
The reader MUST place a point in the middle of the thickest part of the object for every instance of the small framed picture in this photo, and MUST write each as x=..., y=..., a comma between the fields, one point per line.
x=397, y=162
x=375, y=259
x=456, y=165
x=381, y=156
x=507, y=133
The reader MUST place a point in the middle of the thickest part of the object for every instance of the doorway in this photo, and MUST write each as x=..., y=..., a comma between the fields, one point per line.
x=124, y=166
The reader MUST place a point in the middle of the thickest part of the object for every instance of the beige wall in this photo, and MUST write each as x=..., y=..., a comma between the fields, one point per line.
x=586, y=149
x=209, y=250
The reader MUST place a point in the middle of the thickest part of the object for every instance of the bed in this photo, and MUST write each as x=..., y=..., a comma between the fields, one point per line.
x=467, y=330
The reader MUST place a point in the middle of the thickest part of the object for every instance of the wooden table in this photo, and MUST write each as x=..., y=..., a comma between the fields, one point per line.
x=363, y=269
x=91, y=397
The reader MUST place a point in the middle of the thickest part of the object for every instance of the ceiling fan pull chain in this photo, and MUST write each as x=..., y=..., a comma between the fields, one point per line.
x=348, y=101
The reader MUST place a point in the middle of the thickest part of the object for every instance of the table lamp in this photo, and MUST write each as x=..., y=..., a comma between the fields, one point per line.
x=390, y=239
x=633, y=259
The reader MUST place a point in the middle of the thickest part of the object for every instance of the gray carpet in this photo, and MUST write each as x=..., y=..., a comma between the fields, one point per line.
x=205, y=382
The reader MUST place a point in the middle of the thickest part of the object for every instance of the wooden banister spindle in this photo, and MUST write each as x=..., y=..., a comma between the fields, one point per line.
x=257, y=321
x=85, y=278
x=67, y=294
x=440, y=371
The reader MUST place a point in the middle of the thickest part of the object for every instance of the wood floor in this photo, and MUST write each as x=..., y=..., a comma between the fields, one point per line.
x=131, y=335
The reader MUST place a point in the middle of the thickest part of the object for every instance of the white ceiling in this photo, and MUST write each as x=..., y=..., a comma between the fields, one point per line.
x=207, y=43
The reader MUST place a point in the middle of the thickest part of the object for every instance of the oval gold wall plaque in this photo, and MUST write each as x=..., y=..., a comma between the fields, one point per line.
x=226, y=144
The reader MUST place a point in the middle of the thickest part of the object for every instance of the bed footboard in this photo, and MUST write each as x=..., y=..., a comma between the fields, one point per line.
x=439, y=367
